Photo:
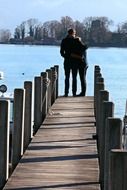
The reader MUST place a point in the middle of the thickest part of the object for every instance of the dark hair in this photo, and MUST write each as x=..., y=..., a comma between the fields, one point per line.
x=71, y=31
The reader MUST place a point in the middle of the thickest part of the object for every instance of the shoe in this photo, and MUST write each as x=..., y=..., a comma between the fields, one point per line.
x=74, y=94
x=81, y=94
x=65, y=95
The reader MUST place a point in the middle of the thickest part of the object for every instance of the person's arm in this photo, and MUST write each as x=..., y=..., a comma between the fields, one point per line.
x=62, y=52
x=84, y=46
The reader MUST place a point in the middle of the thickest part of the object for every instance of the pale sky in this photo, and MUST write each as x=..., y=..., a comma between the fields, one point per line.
x=14, y=12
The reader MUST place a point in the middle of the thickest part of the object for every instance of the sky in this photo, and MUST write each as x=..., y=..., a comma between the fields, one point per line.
x=14, y=12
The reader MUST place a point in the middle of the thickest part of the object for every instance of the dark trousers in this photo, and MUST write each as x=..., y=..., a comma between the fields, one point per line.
x=82, y=75
x=67, y=71
x=69, y=67
x=74, y=77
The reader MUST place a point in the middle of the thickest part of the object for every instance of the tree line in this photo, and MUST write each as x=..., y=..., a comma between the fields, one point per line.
x=93, y=30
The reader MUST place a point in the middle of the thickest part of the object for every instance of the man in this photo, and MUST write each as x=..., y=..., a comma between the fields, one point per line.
x=82, y=71
x=66, y=51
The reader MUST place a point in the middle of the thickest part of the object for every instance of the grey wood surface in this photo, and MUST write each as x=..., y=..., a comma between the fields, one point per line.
x=62, y=154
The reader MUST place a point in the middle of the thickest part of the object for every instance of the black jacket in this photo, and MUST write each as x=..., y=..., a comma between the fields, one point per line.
x=71, y=45
x=66, y=47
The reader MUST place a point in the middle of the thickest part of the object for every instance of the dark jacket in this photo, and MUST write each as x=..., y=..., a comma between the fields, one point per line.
x=73, y=50
x=79, y=48
x=66, y=47
x=79, y=52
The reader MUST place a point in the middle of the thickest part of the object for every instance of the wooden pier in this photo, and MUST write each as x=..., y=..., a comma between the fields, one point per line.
x=63, y=153
x=53, y=144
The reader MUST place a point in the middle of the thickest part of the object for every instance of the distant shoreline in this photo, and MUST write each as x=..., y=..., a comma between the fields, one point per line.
x=58, y=44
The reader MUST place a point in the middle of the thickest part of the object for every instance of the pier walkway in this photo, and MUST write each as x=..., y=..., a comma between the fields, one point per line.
x=62, y=154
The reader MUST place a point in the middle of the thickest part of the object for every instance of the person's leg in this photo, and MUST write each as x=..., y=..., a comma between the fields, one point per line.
x=82, y=74
x=67, y=78
x=74, y=79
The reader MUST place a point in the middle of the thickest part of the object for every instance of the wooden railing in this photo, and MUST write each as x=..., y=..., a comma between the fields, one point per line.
x=30, y=106
x=112, y=154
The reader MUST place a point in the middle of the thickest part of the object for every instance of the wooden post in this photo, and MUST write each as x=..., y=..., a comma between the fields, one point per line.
x=57, y=80
x=99, y=86
x=103, y=96
x=49, y=75
x=96, y=74
x=44, y=98
x=100, y=79
x=107, y=110
x=97, y=67
x=18, y=129
x=54, y=76
x=97, y=71
x=118, y=169
x=4, y=141
x=113, y=140
x=28, y=128
x=37, y=103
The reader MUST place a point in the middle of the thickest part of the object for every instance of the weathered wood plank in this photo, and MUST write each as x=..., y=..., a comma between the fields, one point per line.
x=62, y=155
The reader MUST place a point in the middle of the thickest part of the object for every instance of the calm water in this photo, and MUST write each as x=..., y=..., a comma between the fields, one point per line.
x=22, y=63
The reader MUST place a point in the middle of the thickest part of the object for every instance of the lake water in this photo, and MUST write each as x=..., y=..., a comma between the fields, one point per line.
x=21, y=63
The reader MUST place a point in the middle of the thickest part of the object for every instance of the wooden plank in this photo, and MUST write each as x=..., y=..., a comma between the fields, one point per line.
x=62, y=155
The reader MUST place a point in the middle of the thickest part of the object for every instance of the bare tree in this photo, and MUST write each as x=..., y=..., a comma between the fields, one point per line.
x=66, y=23
x=5, y=35
x=17, y=33
x=32, y=23
x=97, y=29
x=93, y=30
x=38, y=32
x=80, y=30
x=53, y=28
x=22, y=29
x=122, y=28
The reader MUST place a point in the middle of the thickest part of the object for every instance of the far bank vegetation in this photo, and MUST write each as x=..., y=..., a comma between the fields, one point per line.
x=93, y=30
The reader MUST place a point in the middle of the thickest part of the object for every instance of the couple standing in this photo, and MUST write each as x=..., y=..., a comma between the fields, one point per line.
x=74, y=53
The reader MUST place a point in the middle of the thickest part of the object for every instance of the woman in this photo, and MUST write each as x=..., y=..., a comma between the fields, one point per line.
x=80, y=63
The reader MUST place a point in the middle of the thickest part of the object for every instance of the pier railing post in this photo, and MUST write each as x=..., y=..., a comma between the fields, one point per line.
x=113, y=140
x=107, y=110
x=99, y=86
x=28, y=128
x=118, y=169
x=18, y=129
x=37, y=103
x=54, y=77
x=44, y=97
x=103, y=96
x=49, y=88
x=57, y=80
x=4, y=141
x=97, y=74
